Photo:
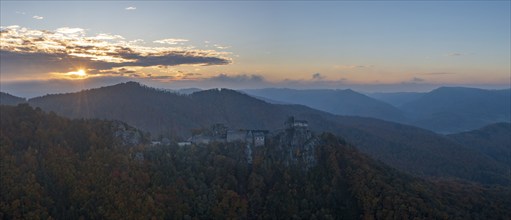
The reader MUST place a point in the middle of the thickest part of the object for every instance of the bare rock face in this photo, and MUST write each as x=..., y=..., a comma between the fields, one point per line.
x=299, y=147
x=127, y=135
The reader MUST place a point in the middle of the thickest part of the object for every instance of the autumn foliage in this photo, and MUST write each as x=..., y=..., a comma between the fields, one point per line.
x=57, y=168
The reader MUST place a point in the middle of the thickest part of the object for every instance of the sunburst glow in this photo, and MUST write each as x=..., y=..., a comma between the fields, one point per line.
x=79, y=74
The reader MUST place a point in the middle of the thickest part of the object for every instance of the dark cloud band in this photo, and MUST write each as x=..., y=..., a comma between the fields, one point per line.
x=65, y=49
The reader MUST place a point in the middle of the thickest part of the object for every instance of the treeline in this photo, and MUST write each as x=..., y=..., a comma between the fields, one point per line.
x=56, y=168
x=215, y=181
x=52, y=167
x=385, y=193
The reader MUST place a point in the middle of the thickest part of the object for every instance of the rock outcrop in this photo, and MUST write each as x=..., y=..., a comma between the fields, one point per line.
x=298, y=147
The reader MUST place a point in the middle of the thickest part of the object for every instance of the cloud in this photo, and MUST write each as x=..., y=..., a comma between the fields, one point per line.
x=119, y=71
x=172, y=41
x=417, y=79
x=317, y=76
x=220, y=47
x=25, y=50
x=291, y=83
x=37, y=17
x=349, y=67
x=437, y=73
x=235, y=81
x=454, y=54
x=107, y=37
x=130, y=8
x=62, y=33
x=241, y=78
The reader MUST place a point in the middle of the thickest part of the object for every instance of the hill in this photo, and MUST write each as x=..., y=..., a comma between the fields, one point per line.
x=339, y=102
x=163, y=112
x=396, y=99
x=414, y=150
x=456, y=109
x=8, y=99
x=493, y=140
x=53, y=166
x=71, y=169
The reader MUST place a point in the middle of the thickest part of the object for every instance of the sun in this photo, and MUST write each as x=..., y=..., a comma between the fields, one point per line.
x=79, y=74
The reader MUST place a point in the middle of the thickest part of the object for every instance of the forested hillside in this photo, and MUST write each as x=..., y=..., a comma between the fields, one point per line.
x=407, y=148
x=53, y=166
x=411, y=149
x=493, y=140
x=71, y=169
x=8, y=99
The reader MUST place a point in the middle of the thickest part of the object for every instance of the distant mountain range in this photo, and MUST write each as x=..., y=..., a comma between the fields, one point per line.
x=174, y=115
x=339, y=102
x=443, y=110
x=453, y=109
x=396, y=99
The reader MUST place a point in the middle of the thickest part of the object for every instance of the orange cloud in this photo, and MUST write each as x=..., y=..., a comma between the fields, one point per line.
x=65, y=48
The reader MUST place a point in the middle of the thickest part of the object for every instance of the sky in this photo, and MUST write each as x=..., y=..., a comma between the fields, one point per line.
x=52, y=47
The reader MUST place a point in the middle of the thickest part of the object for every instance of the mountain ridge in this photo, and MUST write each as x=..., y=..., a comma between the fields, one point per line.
x=8, y=99
x=339, y=102
x=456, y=109
x=407, y=148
